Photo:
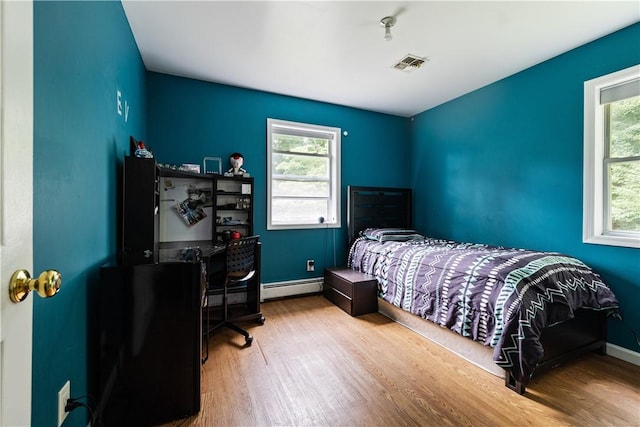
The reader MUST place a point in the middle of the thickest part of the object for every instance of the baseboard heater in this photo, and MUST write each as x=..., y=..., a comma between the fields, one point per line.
x=291, y=288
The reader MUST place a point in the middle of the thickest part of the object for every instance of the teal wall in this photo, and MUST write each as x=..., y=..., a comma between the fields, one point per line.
x=503, y=165
x=83, y=52
x=191, y=119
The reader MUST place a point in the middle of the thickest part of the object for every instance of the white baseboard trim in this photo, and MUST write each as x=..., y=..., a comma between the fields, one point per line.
x=623, y=354
x=291, y=288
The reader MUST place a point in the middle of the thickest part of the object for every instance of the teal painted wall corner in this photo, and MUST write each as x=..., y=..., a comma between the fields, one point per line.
x=84, y=52
x=504, y=166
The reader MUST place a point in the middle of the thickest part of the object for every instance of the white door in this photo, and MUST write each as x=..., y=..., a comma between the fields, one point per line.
x=16, y=207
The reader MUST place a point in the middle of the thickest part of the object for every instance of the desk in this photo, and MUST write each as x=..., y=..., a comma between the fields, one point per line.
x=213, y=255
x=181, y=251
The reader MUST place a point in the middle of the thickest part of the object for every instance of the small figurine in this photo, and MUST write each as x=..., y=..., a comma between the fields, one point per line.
x=236, y=161
x=138, y=148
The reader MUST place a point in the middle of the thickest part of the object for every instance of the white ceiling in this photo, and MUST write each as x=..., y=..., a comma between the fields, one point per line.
x=333, y=51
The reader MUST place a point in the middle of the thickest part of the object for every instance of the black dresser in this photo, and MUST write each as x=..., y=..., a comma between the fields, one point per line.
x=150, y=343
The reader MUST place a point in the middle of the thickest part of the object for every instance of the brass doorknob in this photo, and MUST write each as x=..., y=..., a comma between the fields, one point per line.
x=46, y=285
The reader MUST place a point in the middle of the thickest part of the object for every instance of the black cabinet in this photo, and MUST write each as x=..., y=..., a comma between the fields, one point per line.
x=353, y=291
x=150, y=342
x=140, y=202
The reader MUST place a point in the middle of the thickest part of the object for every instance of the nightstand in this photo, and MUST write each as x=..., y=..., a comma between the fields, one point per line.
x=353, y=291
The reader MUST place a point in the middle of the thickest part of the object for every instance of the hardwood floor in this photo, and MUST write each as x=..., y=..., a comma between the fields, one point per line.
x=313, y=365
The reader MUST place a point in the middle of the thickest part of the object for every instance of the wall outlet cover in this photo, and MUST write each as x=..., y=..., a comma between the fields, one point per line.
x=63, y=395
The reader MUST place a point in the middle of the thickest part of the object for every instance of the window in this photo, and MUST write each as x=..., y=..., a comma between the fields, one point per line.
x=612, y=159
x=303, y=170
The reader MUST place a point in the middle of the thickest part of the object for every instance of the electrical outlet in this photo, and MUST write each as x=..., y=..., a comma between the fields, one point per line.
x=63, y=395
x=310, y=265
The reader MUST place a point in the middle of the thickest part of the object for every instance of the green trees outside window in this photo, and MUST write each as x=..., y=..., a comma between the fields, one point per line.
x=622, y=131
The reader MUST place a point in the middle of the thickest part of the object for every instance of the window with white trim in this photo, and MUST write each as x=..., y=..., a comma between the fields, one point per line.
x=303, y=170
x=612, y=159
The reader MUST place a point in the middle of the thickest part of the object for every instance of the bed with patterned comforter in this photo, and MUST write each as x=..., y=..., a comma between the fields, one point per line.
x=500, y=297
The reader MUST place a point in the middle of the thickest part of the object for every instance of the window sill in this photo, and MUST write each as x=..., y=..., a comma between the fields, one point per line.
x=629, y=242
x=303, y=226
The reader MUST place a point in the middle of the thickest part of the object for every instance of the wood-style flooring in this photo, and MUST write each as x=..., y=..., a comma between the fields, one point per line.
x=311, y=364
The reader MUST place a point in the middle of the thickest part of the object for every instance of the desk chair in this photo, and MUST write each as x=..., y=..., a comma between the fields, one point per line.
x=240, y=267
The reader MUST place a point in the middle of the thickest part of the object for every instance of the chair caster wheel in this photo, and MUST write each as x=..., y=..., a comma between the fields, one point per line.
x=248, y=340
x=260, y=320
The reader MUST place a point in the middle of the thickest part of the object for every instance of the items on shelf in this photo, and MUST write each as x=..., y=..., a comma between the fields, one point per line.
x=189, y=167
x=191, y=209
x=236, y=160
x=138, y=149
x=207, y=160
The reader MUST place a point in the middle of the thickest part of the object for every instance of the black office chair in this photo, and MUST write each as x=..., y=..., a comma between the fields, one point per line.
x=240, y=266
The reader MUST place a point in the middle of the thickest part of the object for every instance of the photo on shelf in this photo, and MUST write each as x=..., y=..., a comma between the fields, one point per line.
x=200, y=196
x=190, y=212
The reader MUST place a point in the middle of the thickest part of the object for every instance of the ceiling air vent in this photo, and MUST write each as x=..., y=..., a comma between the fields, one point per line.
x=410, y=63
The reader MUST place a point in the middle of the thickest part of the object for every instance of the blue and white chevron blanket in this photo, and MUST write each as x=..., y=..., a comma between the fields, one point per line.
x=500, y=297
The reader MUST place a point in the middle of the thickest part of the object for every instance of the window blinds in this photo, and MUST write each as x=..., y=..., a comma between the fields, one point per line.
x=621, y=91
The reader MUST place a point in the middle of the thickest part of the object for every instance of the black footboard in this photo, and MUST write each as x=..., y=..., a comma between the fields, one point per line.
x=567, y=340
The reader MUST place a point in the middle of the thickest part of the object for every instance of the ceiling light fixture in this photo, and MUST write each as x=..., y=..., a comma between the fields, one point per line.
x=387, y=22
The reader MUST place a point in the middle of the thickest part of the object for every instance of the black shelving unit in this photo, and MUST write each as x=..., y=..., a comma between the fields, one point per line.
x=233, y=205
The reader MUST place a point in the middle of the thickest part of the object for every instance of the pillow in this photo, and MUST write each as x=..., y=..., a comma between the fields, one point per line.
x=391, y=234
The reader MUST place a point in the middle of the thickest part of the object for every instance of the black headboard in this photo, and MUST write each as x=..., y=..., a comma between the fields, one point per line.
x=380, y=207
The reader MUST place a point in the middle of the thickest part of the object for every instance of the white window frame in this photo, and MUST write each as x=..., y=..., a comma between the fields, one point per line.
x=595, y=197
x=333, y=219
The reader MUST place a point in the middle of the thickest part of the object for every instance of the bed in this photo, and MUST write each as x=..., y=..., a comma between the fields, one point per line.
x=523, y=311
